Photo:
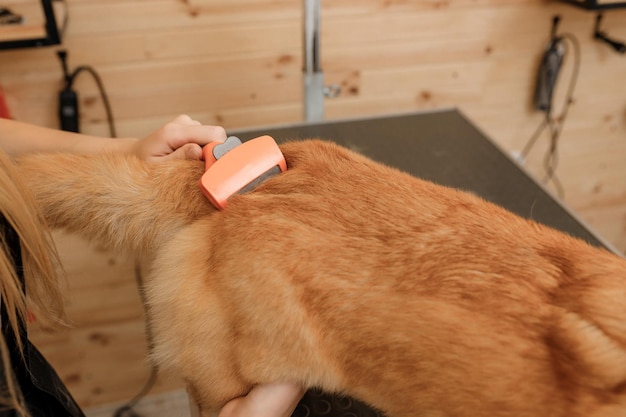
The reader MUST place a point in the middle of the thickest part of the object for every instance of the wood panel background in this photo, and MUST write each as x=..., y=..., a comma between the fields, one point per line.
x=238, y=63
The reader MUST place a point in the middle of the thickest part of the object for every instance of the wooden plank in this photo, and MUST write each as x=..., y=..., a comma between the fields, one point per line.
x=423, y=80
x=195, y=98
x=159, y=15
x=275, y=37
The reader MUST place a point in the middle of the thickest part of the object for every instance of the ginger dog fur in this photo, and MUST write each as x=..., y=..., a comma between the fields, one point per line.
x=354, y=277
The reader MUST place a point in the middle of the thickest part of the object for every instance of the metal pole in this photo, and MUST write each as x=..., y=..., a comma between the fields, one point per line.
x=312, y=71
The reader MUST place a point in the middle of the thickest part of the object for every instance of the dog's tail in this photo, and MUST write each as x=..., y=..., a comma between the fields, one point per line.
x=116, y=200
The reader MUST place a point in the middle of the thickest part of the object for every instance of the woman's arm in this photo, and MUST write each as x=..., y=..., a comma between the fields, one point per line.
x=180, y=138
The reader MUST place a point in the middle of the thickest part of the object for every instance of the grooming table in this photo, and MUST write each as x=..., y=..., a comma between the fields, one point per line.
x=443, y=147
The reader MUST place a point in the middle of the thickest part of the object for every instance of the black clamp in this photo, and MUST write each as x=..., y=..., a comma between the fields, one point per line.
x=601, y=36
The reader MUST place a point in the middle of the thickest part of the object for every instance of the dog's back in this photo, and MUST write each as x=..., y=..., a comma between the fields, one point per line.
x=351, y=276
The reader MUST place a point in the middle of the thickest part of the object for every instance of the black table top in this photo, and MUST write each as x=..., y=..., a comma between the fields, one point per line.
x=443, y=147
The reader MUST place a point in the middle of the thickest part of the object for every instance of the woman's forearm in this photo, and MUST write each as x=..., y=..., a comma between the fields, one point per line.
x=17, y=138
x=182, y=138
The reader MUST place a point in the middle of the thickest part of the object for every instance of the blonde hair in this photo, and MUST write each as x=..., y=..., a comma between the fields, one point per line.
x=41, y=273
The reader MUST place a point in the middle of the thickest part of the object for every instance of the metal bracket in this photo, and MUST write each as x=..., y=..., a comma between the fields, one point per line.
x=602, y=36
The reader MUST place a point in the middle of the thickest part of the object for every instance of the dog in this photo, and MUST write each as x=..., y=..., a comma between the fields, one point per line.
x=355, y=278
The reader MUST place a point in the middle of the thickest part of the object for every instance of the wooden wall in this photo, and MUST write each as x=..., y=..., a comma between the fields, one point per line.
x=238, y=63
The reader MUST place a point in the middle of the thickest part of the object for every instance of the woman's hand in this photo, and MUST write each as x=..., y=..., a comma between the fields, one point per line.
x=270, y=400
x=182, y=138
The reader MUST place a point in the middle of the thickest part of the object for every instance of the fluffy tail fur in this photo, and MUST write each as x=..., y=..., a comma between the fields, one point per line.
x=117, y=200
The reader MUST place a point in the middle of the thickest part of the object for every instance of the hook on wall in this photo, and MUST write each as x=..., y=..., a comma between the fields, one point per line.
x=602, y=36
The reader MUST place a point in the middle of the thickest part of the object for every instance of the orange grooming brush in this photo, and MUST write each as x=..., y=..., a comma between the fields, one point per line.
x=233, y=167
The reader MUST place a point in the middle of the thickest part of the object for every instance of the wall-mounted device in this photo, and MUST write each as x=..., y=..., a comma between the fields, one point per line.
x=28, y=23
x=549, y=70
x=560, y=47
x=68, y=97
